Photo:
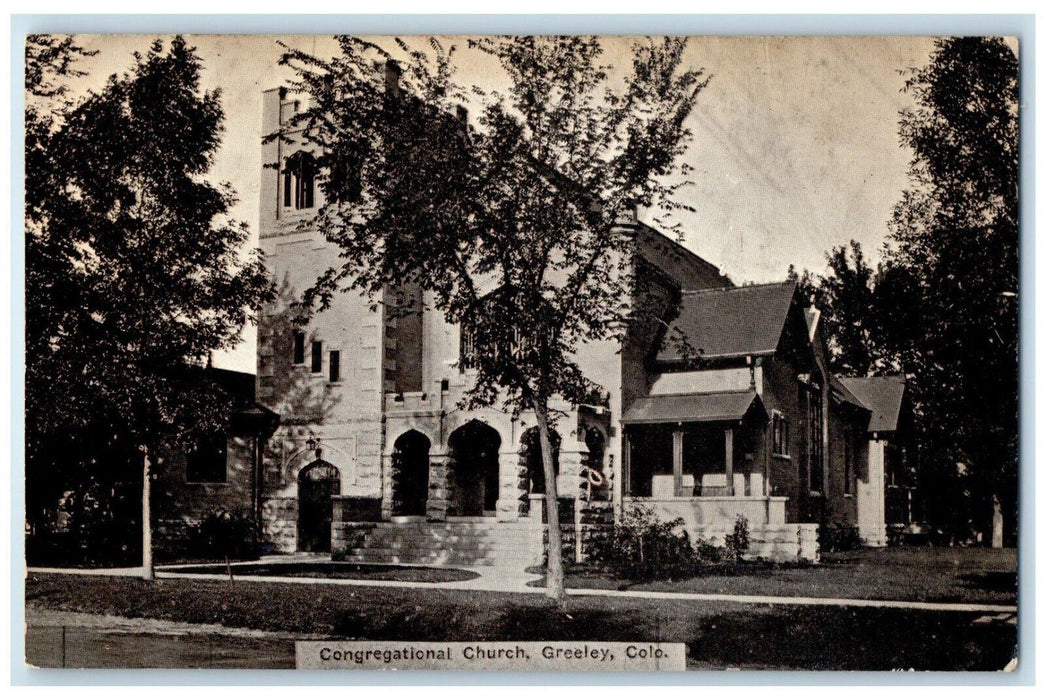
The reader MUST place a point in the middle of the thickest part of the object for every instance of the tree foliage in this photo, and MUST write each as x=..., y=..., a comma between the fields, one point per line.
x=953, y=261
x=941, y=307
x=850, y=314
x=134, y=274
x=506, y=219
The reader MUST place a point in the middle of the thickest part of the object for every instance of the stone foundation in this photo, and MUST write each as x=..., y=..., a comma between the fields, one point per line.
x=791, y=542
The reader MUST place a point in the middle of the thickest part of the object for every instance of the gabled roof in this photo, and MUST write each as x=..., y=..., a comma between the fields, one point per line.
x=882, y=396
x=844, y=395
x=694, y=408
x=730, y=322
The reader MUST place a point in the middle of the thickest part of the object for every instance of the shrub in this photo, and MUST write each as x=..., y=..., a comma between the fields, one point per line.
x=839, y=537
x=223, y=535
x=738, y=542
x=643, y=548
x=708, y=552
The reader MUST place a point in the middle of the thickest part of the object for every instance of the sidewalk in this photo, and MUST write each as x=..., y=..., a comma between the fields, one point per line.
x=511, y=581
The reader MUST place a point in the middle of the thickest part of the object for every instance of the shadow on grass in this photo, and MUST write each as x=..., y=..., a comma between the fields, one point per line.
x=535, y=621
x=994, y=581
x=836, y=638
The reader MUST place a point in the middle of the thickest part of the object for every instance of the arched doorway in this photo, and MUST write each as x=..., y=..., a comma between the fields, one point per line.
x=317, y=483
x=474, y=469
x=410, y=473
x=530, y=447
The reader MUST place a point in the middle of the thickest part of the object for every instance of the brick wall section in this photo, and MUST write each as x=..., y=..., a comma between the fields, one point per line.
x=178, y=505
x=782, y=392
x=840, y=503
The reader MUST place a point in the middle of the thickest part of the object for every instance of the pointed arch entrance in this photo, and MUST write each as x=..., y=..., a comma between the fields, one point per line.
x=318, y=482
x=410, y=473
x=530, y=448
x=473, y=468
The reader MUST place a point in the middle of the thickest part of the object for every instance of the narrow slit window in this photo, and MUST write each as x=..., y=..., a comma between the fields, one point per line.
x=317, y=356
x=299, y=348
x=335, y=365
x=780, y=434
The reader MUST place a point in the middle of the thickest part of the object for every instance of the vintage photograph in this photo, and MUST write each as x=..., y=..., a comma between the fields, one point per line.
x=531, y=353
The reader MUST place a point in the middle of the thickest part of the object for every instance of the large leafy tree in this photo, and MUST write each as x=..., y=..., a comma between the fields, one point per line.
x=507, y=218
x=941, y=307
x=850, y=313
x=134, y=274
x=951, y=266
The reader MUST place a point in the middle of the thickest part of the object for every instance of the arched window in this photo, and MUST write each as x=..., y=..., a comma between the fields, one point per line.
x=299, y=181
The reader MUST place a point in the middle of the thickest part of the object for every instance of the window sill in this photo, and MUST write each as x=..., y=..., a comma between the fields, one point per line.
x=775, y=455
x=207, y=483
x=848, y=495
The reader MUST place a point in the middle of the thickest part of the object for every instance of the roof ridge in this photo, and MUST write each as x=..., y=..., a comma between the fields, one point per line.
x=702, y=393
x=877, y=377
x=737, y=288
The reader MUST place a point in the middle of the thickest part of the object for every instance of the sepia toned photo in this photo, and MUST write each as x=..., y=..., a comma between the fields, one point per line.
x=522, y=353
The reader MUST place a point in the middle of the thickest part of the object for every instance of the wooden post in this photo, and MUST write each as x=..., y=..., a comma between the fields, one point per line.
x=623, y=484
x=677, y=460
x=729, y=445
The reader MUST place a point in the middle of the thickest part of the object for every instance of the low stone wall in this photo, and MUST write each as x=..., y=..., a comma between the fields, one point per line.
x=782, y=543
x=794, y=542
x=346, y=536
x=700, y=511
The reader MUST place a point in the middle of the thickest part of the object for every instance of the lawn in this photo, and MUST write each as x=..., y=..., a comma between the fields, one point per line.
x=336, y=570
x=718, y=635
x=967, y=575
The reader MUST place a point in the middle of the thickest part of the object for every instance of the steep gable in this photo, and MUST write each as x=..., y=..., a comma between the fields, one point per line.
x=883, y=396
x=730, y=322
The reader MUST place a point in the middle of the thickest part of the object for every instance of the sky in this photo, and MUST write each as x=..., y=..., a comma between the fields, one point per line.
x=794, y=150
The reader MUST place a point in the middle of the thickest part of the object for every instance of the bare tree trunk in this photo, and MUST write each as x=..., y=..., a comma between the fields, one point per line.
x=996, y=523
x=148, y=573
x=554, y=574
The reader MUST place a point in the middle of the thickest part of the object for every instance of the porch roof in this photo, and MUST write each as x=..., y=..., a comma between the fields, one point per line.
x=694, y=408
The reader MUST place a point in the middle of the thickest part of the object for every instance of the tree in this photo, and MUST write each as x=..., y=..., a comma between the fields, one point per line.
x=134, y=275
x=850, y=320
x=951, y=269
x=506, y=220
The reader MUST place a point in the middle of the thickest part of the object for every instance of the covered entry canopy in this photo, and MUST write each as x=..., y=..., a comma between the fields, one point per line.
x=696, y=408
